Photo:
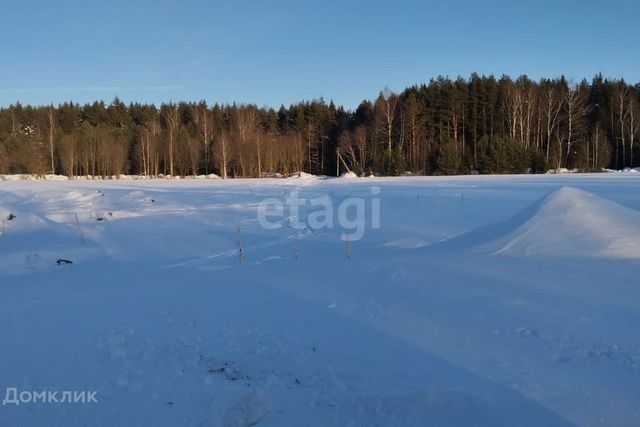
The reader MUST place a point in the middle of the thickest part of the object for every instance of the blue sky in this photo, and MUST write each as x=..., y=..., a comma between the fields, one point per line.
x=273, y=52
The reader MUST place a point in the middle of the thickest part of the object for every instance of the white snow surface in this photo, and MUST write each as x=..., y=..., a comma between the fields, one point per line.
x=349, y=175
x=480, y=301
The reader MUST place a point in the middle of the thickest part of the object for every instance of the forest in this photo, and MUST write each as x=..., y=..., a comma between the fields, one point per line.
x=482, y=124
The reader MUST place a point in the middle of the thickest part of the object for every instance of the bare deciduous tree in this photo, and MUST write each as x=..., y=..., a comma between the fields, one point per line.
x=51, y=127
x=623, y=112
x=204, y=128
x=385, y=113
x=223, y=153
x=634, y=125
x=513, y=108
x=171, y=117
x=575, y=104
x=553, y=105
x=246, y=125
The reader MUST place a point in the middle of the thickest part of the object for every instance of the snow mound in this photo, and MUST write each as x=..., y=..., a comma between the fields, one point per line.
x=304, y=175
x=572, y=221
x=568, y=223
x=625, y=170
x=349, y=174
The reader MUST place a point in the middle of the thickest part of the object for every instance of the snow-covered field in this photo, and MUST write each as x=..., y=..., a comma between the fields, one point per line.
x=478, y=301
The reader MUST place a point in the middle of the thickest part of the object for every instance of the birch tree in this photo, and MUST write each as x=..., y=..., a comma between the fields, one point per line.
x=575, y=104
x=552, y=106
x=385, y=115
x=623, y=112
x=51, y=131
x=171, y=117
x=634, y=125
x=223, y=153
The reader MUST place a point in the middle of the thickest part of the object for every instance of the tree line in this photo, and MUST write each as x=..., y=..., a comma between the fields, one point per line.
x=447, y=126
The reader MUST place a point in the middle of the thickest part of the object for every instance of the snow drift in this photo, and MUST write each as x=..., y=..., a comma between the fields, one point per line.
x=348, y=175
x=568, y=222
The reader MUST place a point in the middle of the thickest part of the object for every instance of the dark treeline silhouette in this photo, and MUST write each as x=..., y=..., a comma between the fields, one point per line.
x=448, y=126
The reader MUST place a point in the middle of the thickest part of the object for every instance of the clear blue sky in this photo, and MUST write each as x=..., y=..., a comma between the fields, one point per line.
x=273, y=52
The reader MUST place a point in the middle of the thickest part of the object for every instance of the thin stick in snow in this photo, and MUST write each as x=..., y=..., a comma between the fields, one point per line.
x=80, y=229
x=3, y=227
x=348, y=246
x=240, y=251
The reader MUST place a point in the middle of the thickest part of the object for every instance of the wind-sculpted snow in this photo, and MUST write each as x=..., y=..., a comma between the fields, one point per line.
x=479, y=301
x=573, y=223
x=567, y=223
